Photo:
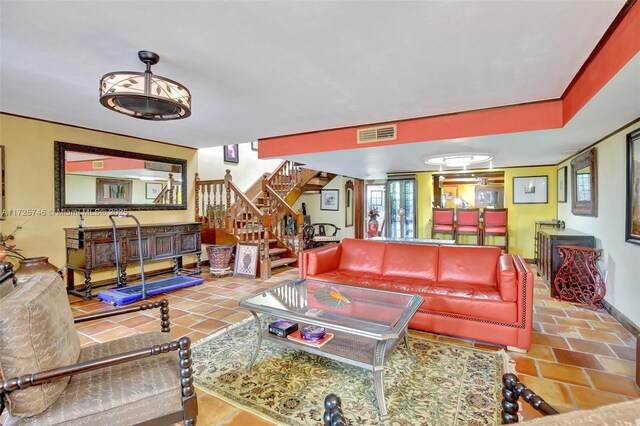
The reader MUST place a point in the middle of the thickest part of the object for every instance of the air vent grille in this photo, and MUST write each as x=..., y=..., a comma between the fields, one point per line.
x=377, y=134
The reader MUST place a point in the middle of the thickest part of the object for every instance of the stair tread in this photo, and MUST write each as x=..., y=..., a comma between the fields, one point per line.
x=277, y=250
x=282, y=262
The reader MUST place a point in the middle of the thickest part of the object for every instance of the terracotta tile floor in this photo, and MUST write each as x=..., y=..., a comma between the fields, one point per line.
x=579, y=358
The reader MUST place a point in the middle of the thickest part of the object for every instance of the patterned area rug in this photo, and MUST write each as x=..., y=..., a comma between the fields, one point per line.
x=449, y=385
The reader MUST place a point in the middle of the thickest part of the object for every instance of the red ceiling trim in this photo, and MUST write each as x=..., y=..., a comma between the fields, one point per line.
x=509, y=119
x=103, y=164
x=617, y=47
x=620, y=43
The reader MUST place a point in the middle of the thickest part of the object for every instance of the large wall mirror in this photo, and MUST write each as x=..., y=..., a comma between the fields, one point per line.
x=94, y=178
x=584, y=184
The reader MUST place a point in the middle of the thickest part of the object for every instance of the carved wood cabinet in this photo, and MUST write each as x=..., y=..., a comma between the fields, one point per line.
x=549, y=260
x=91, y=249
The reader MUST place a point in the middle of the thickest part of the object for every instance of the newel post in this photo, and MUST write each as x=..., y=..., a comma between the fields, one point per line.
x=300, y=231
x=227, y=185
x=265, y=262
x=170, y=185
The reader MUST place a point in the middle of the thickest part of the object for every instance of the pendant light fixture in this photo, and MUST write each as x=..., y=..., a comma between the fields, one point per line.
x=144, y=94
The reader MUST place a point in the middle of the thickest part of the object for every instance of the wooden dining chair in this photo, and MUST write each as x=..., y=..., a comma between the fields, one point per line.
x=443, y=222
x=496, y=225
x=468, y=223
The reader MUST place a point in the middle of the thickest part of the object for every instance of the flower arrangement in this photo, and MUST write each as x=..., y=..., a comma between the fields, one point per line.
x=7, y=249
x=373, y=213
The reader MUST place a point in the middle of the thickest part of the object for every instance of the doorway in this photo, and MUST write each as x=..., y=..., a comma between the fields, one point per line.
x=401, y=207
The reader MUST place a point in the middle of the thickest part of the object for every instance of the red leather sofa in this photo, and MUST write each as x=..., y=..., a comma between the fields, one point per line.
x=470, y=292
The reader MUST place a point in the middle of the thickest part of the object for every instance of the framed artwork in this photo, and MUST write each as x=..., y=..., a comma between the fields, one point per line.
x=231, y=154
x=632, y=231
x=329, y=199
x=152, y=190
x=562, y=184
x=246, y=264
x=113, y=191
x=2, y=206
x=530, y=190
x=254, y=146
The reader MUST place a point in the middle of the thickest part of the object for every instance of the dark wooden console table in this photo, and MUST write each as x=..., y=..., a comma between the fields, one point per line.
x=549, y=259
x=579, y=279
x=91, y=249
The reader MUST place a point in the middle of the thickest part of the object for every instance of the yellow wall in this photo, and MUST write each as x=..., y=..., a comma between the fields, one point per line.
x=522, y=217
x=29, y=146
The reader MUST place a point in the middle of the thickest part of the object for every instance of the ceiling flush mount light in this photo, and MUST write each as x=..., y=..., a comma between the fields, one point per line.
x=458, y=160
x=145, y=95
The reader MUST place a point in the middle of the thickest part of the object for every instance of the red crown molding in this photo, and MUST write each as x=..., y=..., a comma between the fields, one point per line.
x=619, y=44
x=508, y=119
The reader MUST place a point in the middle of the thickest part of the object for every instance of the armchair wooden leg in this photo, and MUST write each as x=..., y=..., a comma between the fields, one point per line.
x=189, y=398
x=165, y=325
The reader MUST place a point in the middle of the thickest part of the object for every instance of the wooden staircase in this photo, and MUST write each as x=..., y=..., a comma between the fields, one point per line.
x=262, y=214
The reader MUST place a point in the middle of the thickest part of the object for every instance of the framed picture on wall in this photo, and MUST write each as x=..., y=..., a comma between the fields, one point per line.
x=632, y=232
x=329, y=199
x=152, y=190
x=562, y=184
x=231, y=154
x=530, y=190
x=113, y=191
x=254, y=145
x=246, y=264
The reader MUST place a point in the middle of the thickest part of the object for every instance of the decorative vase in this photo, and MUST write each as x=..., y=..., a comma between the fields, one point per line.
x=219, y=258
x=35, y=265
x=373, y=228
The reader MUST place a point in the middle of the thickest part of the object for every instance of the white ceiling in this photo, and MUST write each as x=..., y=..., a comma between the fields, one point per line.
x=259, y=69
x=617, y=104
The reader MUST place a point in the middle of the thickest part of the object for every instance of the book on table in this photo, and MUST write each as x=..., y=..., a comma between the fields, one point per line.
x=296, y=336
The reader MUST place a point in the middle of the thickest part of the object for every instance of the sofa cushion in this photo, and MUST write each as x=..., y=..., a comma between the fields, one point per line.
x=323, y=260
x=464, y=264
x=37, y=335
x=362, y=256
x=467, y=299
x=410, y=261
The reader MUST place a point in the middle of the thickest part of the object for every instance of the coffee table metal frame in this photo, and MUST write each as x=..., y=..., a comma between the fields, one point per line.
x=351, y=345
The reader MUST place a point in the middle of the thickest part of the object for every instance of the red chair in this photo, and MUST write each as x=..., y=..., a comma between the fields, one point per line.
x=443, y=223
x=468, y=223
x=496, y=224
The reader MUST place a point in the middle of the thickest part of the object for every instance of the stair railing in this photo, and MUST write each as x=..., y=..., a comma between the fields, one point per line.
x=285, y=223
x=211, y=203
x=220, y=204
x=169, y=193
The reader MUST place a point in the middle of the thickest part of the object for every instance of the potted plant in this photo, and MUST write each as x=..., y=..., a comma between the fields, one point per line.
x=372, y=228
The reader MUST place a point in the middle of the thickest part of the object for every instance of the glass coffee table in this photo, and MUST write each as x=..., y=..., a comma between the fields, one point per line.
x=367, y=324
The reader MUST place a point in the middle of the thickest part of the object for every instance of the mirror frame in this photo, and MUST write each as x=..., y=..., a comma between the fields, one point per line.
x=349, y=197
x=60, y=148
x=584, y=208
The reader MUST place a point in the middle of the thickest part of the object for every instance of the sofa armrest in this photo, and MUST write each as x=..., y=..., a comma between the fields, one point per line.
x=320, y=260
x=507, y=278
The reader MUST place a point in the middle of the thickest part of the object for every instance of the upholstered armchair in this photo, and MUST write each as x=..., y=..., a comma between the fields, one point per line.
x=46, y=378
x=513, y=390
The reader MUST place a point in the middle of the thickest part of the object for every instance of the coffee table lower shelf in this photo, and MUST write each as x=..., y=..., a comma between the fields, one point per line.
x=349, y=348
